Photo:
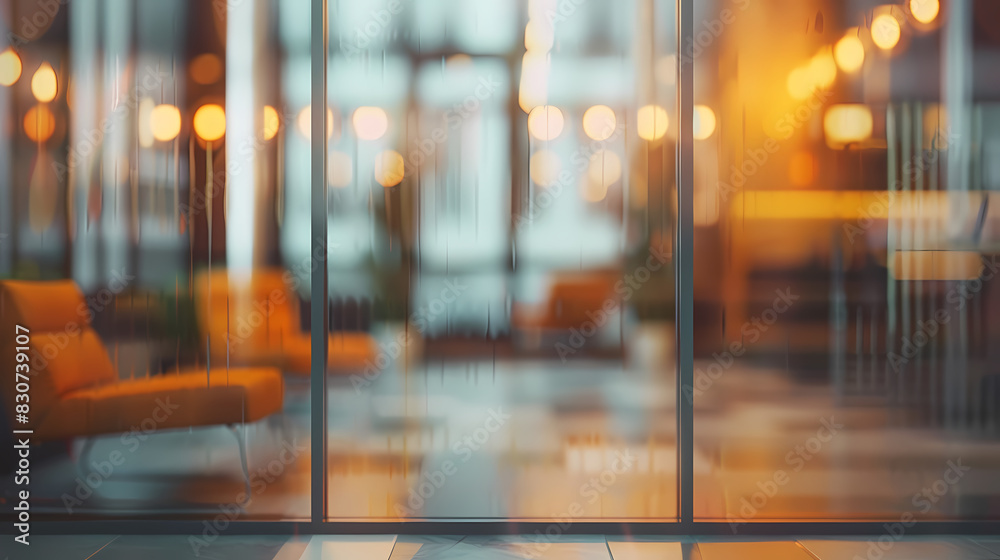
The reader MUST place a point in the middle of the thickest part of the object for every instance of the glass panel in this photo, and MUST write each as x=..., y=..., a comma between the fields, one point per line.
x=145, y=203
x=501, y=224
x=845, y=260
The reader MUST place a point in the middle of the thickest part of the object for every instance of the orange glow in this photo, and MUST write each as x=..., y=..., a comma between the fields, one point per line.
x=304, y=122
x=271, y=122
x=799, y=83
x=704, y=122
x=39, y=123
x=43, y=83
x=210, y=122
x=652, y=122
x=545, y=167
x=370, y=123
x=206, y=69
x=822, y=68
x=936, y=265
x=389, y=168
x=802, y=169
x=545, y=122
x=539, y=35
x=885, y=31
x=534, y=87
x=599, y=122
x=165, y=122
x=925, y=11
x=847, y=124
x=849, y=53
x=10, y=68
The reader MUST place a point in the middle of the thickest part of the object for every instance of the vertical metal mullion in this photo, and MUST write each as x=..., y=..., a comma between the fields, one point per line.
x=684, y=292
x=318, y=303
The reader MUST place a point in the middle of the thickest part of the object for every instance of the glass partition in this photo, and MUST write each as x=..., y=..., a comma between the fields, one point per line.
x=149, y=198
x=501, y=229
x=845, y=255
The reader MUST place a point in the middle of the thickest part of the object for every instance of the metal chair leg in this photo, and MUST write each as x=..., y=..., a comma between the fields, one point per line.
x=243, y=461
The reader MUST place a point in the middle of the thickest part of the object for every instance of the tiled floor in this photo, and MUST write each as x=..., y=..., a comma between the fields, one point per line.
x=391, y=547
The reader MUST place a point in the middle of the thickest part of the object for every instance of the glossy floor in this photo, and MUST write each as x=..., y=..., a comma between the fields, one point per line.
x=391, y=547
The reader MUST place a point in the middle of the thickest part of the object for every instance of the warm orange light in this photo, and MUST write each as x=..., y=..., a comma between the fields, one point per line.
x=846, y=124
x=210, y=122
x=165, y=122
x=849, y=53
x=539, y=35
x=534, y=87
x=652, y=122
x=271, y=122
x=802, y=169
x=341, y=169
x=800, y=84
x=10, y=67
x=599, y=122
x=704, y=122
x=924, y=11
x=544, y=168
x=370, y=123
x=304, y=122
x=822, y=68
x=206, y=69
x=936, y=265
x=389, y=168
x=43, y=83
x=545, y=122
x=885, y=31
x=39, y=123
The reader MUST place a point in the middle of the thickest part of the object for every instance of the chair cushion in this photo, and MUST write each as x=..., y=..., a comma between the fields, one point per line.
x=348, y=351
x=181, y=400
x=44, y=306
x=62, y=363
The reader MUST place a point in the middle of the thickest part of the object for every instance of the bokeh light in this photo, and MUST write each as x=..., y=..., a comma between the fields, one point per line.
x=849, y=53
x=799, y=83
x=885, y=31
x=272, y=122
x=206, y=69
x=545, y=122
x=43, y=83
x=389, y=168
x=370, y=123
x=599, y=122
x=165, y=122
x=39, y=123
x=652, y=122
x=304, y=123
x=544, y=168
x=925, y=11
x=704, y=122
x=822, y=68
x=604, y=170
x=10, y=67
x=210, y=122
x=846, y=124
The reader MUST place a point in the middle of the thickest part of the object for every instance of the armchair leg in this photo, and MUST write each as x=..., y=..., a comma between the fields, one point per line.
x=243, y=461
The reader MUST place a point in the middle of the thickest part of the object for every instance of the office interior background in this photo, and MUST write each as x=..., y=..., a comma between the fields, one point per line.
x=503, y=222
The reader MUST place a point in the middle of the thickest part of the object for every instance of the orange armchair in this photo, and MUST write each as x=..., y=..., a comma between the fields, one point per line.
x=253, y=321
x=75, y=391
